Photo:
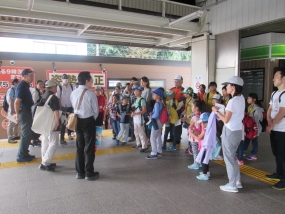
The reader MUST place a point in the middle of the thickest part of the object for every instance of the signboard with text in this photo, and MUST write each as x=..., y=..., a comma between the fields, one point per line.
x=99, y=78
x=8, y=73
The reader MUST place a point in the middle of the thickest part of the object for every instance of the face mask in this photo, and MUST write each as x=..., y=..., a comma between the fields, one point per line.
x=65, y=81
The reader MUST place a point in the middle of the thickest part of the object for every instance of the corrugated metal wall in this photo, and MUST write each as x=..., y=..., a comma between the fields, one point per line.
x=237, y=14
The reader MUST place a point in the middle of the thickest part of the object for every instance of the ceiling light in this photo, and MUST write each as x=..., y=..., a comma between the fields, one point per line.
x=187, y=18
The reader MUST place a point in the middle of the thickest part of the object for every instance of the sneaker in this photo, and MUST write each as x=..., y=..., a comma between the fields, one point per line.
x=228, y=188
x=80, y=176
x=240, y=162
x=46, y=168
x=53, y=165
x=117, y=142
x=164, y=146
x=159, y=154
x=114, y=138
x=151, y=157
x=239, y=185
x=24, y=159
x=200, y=165
x=273, y=177
x=70, y=137
x=144, y=150
x=193, y=166
x=63, y=142
x=202, y=177
x=16, y=138
x=218, y=158
x=251, y=157
x=169, y=140
x=12, y=141
x=31, y=156
x=136, y=147
x=244, y=153
x=131, y=140
x=208, y=174
x=37, y=143
x=171, y=149
x=124, y=143
x=280, y=185
x=92, y=177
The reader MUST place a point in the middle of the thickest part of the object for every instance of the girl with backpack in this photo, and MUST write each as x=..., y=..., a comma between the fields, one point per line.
x=155, y=138
x=232, y=131
x=254, y=110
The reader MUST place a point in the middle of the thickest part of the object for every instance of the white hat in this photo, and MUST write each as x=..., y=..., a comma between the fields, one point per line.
x=217, y=97
x=234, y=80
x=50, y=83
x=178, y=77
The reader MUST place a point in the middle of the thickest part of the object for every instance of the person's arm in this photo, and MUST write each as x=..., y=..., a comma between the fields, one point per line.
x=11, y=104
x=279, y=116
x=17, y=105
x=269, y=119
x=35, y=96
x=94, y=105
x=118, y=112
x=198, y=137
x=58, y=94
x=156, y=111
x=56, y=116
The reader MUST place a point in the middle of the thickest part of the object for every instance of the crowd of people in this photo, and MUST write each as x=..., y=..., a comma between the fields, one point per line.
x=214, y=122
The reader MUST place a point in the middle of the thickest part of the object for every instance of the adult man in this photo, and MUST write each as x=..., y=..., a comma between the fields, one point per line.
x=13, y=128
x=85, y=132
x=276, y=128
x=63, y=93
x=37, y=96
x=23, y=104
x=208, y=97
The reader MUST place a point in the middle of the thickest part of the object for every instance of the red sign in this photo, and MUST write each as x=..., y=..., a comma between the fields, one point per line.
x=99, y=78
x=2, y=96
x=5, y=123
x=8, y=73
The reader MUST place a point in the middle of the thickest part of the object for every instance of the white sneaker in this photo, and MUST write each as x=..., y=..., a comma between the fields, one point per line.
x=218, y=158
x=208, y=174
x=70, y=137
x=228, y=188
x=239, y=185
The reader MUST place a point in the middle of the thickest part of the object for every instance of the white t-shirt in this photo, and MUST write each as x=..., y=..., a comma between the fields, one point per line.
x=236, y=105
x=280, y=127
x=138, y=119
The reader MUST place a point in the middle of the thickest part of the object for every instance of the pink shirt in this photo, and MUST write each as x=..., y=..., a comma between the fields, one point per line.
x=197, y=128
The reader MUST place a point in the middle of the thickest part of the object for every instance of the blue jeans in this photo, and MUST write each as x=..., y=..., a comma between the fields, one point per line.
x=26, y=121
x=240, y=150
x=115, y=126
x=173, y=130
x=254, y=145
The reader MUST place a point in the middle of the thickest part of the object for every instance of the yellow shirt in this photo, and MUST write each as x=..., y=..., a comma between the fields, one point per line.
x=208, y=99
x=171, y=111
x=188, y=108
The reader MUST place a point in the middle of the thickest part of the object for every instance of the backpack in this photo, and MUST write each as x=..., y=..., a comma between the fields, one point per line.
x=60, y=88
x=5, y=103
x=40, y=95
x=264, y=122
x=163, y=117
x=250, y=127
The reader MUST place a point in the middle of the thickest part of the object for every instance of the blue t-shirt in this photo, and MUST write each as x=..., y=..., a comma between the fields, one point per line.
x=23, y=93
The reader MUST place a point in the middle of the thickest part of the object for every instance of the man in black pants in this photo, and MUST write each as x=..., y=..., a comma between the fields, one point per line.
x=85, y=105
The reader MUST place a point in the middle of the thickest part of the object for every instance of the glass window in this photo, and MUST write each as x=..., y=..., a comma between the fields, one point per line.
x=50, y=48
x=39, y=47
x=61, y=49
x=71, y=50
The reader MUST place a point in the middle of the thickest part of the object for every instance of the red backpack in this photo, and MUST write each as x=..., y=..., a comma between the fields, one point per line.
x=250, y=127
x=163, y=117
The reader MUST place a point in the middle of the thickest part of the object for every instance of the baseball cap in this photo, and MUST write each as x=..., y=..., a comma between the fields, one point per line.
x=188, y=90
x=26, y=71
x=158, y=92
x=98, y=88
x=138, y=88
x=50, y=83
x=136, y=83
x=169, y=93
x=204, y=117
x=64, y=76
x=125, y=97
x=178, y=77
x=119, y=84
x=234, y=80
x=217, y=97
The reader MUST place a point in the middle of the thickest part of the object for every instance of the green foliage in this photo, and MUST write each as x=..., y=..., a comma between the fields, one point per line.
x=137, y=52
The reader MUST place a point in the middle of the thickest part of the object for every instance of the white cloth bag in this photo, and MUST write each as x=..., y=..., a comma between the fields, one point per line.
x=44, y=120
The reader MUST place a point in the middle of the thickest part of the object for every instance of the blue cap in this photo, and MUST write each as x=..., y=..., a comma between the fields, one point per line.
x=138, y=88
x=158, y=92
x=204, y=117
x=26, y=71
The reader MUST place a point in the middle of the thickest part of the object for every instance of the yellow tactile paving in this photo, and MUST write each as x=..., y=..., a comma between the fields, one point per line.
x=251, y=172
x=62, y=157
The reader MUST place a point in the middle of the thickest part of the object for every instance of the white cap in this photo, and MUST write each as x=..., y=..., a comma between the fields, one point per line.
x=234, y=80
x=217, y=96
x=178, y=77
x=50, y=83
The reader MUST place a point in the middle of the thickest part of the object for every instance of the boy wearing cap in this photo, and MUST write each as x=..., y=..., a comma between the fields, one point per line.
x=23, y=114
x=123, y=112
x=171, y=105
x=185, y=115
x=63, y=93
x=137, y=114
x=155, y=137
x=50, y=142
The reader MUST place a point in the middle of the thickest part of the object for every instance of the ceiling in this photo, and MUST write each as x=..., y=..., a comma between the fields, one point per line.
x=63, y=20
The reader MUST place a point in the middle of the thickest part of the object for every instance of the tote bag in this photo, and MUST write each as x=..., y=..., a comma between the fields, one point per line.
x=44, y=120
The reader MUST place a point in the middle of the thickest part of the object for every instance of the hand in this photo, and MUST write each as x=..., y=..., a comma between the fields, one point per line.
x=56, y=126
x=16, y=117
x=270, y=122
x=120, y=116
x=133, y=114
x=214, y=109
x=269, y=129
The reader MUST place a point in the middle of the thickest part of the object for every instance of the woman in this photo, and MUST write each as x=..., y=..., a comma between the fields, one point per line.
x=112, y=108
x=101, y=104
x=232, y=131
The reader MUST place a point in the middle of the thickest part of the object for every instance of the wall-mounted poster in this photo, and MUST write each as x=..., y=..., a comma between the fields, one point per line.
x=99, y=78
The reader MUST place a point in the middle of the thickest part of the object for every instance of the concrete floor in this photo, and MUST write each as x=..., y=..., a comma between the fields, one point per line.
x=129, y=183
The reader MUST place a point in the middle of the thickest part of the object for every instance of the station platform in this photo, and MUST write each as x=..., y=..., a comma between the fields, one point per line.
x=131, y=184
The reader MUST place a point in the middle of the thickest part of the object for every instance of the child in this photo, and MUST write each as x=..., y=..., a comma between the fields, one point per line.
x=155, y=137
x=188, y=106
x=195, y=131
x=171, y=105
x=232, y=131
x=139, y=108
x=204, y=120
x=123, y=112
x=255, y=110
x=112, y=108
x=226, y=97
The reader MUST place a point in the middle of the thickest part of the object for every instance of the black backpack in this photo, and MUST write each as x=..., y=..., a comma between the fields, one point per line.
x=5, y=103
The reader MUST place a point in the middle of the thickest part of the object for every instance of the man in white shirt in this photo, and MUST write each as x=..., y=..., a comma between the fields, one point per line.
x=63, y=93
x=86, y=113
x=276, y=128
